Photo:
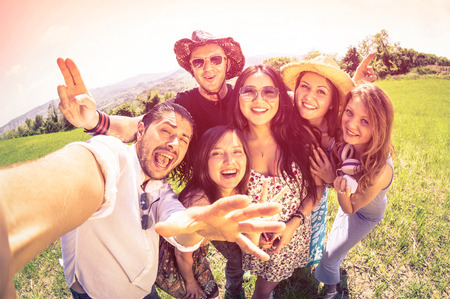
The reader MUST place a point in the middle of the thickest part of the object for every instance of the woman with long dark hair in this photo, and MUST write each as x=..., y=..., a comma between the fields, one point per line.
x=221, y=169
x=262, y=109
x=320, y=88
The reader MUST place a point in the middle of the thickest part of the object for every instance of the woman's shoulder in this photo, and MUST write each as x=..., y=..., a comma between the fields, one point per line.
x=385, y=176
x=195, y=198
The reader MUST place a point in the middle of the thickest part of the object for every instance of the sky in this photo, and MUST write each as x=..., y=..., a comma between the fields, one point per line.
x=113, y=40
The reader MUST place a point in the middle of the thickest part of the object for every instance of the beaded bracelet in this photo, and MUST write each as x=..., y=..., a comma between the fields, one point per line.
x=102, y=126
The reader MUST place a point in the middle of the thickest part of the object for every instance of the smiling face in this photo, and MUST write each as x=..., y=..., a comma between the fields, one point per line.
x=227, y=163
x=163, y=145
x=314, y=97
x=210, y=77
x=356, y=127
x=259, y=112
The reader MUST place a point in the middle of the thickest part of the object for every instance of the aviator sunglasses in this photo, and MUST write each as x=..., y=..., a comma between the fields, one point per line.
x=268, y=93
x=214, y=60
x=146, y=221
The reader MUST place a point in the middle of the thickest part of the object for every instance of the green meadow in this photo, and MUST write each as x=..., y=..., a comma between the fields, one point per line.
x=406, y=256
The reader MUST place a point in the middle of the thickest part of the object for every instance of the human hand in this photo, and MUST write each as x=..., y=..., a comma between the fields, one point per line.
x=263, y=240
x=365, y=73
x=282, y=239
x=321, y=166
x=226, y=219
x=342, y=188
x=76, y=104
x=193, y=290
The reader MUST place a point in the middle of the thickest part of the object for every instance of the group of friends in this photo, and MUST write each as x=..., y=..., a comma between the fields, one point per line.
x=257, y=161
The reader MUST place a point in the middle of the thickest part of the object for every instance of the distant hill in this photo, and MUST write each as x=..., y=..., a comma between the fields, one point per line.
x=109, y=97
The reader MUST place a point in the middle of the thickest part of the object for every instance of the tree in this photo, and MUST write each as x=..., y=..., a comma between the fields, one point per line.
x=29, y=123
x=277, y=62
x=22, y=131
x=65, y=124
x=168, y=95
x=52, y=123
x=37, y=125
x=350, y=61
x=153, y=99
x=126, y=109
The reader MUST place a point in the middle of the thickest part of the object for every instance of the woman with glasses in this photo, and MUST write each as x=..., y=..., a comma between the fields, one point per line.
x=221, y=169
x=263, y=110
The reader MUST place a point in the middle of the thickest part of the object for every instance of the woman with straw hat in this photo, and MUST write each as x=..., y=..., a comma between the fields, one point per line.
x=320, y=88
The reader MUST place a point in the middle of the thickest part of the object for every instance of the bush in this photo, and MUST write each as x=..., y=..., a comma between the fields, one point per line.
x=423, y=70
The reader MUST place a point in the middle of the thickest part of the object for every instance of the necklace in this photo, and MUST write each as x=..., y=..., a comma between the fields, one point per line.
x=261, y=151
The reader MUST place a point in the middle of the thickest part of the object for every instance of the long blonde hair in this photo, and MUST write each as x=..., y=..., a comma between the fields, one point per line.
x=381, y=119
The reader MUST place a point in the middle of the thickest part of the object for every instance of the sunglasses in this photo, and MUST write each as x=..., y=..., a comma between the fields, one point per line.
x=146, y=221
x=268, y=93
x=213, y=60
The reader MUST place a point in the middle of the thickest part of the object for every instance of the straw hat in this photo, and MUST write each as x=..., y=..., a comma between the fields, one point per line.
x=322, y=65
x=184, y=47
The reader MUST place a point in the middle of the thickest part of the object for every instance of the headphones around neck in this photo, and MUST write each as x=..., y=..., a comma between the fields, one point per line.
x=350, y=166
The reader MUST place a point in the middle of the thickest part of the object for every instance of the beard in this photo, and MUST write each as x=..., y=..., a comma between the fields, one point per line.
x=146, y=160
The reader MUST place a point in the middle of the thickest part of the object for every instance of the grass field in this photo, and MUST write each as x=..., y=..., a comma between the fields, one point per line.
x=406, y=256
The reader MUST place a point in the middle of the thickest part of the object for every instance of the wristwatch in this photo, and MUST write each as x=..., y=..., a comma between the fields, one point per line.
x=301, y=216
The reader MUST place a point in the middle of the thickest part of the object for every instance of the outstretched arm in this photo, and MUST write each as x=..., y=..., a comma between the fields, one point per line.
x=79, y=107
x=7, y=289
x=226, y=219
x=46, y=198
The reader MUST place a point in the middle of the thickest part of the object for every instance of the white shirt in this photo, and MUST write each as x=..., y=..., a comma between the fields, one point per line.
x=109, y=254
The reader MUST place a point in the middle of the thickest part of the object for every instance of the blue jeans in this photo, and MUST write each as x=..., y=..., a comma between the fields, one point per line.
x=153, y=294
x=233, y=268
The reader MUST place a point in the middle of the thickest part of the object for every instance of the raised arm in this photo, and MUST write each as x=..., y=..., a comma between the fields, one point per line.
x=46, y=198
x=79, y=107
x=364, y=73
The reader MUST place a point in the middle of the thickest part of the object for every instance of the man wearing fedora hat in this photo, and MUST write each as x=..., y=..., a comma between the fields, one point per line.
x=209, y=59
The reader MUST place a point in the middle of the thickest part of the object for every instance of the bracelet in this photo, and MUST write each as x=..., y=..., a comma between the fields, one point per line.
x=301, y=216
x=102, y=126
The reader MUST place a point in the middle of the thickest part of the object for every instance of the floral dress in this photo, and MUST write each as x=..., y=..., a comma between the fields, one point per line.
x=295, y=254
x=169, y=276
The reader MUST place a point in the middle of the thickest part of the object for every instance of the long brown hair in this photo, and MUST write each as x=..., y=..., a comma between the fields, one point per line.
x=381, y=118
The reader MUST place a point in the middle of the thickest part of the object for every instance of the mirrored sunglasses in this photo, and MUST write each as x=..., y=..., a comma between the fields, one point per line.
x=268, y=93
x=213, y=60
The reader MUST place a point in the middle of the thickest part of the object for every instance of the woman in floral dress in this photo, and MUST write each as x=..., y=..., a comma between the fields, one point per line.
x=263, y=110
